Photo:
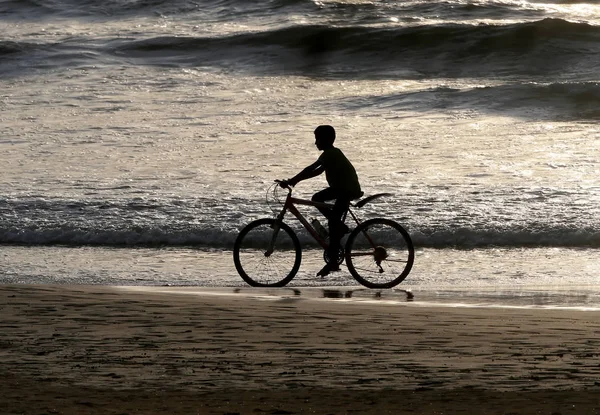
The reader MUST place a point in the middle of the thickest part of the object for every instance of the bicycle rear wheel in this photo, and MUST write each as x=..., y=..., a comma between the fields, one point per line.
x=257, y=266
x=379, y=253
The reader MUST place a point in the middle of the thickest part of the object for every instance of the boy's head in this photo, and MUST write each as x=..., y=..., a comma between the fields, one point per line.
x=324, y=136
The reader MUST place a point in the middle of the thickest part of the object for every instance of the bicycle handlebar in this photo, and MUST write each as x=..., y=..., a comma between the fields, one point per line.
x=284, y=186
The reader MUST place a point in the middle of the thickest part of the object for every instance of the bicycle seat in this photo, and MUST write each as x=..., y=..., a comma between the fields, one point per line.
x=368, y=199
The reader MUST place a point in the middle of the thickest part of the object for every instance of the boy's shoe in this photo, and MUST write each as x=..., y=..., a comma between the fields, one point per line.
x=327, y=269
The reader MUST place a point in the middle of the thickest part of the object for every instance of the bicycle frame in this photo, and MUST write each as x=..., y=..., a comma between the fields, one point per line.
x=290, y=205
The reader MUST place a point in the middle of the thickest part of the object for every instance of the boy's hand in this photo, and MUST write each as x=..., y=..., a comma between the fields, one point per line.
x=286, y=183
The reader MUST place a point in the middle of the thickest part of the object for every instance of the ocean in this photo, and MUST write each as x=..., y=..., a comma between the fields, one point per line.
x=139, y=136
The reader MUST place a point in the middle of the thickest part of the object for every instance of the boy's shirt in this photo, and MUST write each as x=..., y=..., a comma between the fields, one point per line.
x=340, y=173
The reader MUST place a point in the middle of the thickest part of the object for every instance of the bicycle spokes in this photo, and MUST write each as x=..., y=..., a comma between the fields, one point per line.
x=267, y=254
x=379, y=253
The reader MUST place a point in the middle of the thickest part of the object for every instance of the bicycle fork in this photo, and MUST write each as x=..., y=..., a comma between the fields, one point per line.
x=276, y=227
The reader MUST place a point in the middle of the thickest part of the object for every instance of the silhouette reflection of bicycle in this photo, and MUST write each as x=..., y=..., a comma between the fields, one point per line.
x=333, y=293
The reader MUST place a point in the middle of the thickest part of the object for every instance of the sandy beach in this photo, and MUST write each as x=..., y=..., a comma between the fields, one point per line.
x=116, y=350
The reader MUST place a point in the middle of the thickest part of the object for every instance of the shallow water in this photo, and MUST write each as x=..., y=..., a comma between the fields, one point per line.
x=542, y=277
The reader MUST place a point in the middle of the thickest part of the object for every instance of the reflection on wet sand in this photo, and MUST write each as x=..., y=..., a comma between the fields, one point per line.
x=331, y=292
x=364, y=294
x=584, y=298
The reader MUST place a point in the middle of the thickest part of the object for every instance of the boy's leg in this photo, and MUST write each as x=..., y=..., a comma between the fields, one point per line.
x=324, y=196
x=335, y=229
x=334, y=219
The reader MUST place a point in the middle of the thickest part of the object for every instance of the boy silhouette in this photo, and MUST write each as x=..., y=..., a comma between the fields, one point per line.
x=343, y=187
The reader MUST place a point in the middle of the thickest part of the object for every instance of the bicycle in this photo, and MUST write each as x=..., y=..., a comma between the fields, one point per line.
x=379, y=252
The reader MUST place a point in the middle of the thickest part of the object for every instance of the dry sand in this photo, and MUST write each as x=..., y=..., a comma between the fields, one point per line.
x=102, y=350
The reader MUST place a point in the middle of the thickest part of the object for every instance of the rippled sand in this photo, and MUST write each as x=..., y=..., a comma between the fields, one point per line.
x=82, y=349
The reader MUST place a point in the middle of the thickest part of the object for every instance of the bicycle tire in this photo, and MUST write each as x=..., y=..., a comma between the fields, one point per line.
x=382, y=240
x=256, y=267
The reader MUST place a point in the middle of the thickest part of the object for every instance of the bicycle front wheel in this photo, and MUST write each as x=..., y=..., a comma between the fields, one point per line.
x=379, y=253
x=265, y=259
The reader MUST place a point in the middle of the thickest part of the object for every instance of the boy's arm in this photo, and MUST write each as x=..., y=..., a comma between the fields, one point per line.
x=309, y=172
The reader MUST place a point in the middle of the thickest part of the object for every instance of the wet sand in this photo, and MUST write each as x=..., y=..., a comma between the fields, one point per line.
x=109, y=350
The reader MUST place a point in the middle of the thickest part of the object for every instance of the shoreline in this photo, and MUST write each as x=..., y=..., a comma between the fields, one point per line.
x=118, y=349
